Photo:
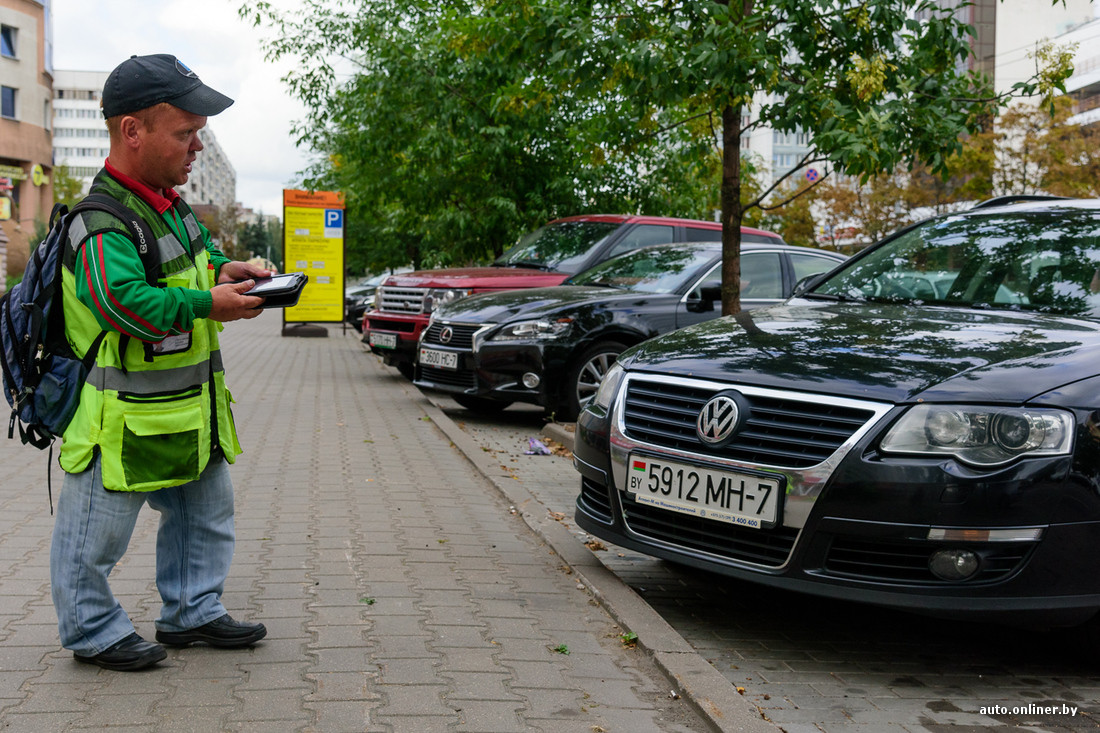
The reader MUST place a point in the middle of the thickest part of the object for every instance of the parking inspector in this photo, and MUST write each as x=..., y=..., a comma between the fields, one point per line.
x=153, y=423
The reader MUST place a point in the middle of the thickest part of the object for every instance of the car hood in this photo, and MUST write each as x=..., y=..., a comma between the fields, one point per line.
x=892, y=353
x=497, y=278
x=530, y=303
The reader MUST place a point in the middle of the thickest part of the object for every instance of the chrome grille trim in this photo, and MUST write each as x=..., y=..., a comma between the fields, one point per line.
x=402, y=300
x=804, y=484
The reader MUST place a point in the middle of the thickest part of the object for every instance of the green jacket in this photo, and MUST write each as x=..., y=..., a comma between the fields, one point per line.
x=155, y=405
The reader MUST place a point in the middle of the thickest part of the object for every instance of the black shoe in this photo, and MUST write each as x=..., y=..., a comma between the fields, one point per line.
x=130, y=654
x=222, y=632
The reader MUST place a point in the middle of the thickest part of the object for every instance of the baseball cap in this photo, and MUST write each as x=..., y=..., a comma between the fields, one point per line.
x=140, y=82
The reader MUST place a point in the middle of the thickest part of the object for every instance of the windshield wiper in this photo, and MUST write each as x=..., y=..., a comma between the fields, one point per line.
x=838, y=297
x=528, y=264
x=600, y=284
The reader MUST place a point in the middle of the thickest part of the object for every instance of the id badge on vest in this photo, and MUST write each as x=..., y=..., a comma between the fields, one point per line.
x=177, y=344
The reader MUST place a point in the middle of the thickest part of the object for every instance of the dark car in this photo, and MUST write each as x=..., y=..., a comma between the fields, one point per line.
x=920, y=429
x=551, y=346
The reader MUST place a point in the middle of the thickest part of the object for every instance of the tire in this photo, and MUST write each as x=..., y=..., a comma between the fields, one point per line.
x=583, y=378
x=480, y=405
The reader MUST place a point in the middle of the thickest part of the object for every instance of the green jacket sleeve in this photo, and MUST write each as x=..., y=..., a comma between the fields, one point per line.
x=110, y=281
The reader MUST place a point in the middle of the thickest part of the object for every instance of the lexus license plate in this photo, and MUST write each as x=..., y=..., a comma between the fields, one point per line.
x=725, y=496
x=439, y=359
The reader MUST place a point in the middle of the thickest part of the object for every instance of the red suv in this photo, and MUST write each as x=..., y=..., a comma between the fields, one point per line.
x=548, y=256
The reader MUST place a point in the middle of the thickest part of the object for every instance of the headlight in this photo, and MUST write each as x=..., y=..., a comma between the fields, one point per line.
x=608, y=386
x=981, y=436
x=538, y=329
x=377, y=299
x=441, y=296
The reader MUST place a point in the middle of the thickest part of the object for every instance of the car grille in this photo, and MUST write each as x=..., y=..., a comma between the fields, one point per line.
x=769, y=547
x=907, y=562
x=594, y=499
x=384, y=324
x=779, y=432
x=402, y=300
x=462, y=335
x=449, y=377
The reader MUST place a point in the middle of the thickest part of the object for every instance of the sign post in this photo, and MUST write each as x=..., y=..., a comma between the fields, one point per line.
x=313, y=233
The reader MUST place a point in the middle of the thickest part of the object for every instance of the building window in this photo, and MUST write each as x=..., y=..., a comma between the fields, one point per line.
x=7, y=102
x=7, y=41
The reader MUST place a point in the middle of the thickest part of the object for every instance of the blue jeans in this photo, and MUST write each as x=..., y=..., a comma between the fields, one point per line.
x=92, y=530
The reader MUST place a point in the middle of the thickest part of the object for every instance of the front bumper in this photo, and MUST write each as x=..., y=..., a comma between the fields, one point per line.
x=863, y=526
x=402, y=330
x=496, y=371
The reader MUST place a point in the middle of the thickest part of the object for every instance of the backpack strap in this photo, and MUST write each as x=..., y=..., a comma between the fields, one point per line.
x=144, y=242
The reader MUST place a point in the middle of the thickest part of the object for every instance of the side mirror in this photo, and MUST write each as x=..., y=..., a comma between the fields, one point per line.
x=807, y=283
x=705, y=302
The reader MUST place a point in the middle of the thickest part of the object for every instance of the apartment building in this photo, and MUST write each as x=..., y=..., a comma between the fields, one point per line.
x=26, y=157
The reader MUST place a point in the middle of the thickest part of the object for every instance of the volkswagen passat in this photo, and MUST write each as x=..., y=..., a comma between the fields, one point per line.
x=919, y=429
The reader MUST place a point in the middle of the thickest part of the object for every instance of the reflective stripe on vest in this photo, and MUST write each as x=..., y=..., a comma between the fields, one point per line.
x=176, y=379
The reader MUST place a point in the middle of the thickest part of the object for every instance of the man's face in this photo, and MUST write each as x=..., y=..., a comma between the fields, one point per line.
x=169, y=143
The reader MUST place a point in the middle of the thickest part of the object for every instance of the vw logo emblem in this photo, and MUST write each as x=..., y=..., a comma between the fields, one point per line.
x=717, y=420
x=446, y=335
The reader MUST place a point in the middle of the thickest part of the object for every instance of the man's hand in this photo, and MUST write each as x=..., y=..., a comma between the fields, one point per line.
x=230, y=304
x=235, y=271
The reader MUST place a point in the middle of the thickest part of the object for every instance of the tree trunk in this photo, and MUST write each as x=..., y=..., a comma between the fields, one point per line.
x=731, y=210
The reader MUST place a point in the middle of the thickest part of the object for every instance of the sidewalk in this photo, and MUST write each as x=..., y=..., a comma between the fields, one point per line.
x=401, y=590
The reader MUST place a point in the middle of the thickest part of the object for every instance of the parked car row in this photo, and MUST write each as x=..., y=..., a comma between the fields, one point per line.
x=546, y=257
x=919, y=428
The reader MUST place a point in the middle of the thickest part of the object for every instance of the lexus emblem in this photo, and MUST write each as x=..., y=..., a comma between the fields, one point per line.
x=446, y=335
x=717, y=420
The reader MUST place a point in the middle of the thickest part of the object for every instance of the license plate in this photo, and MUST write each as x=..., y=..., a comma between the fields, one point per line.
x=441, y=359
x=383, y=340
x=725, y=496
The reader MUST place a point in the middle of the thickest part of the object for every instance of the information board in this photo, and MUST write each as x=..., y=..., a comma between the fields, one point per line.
x=313, y=236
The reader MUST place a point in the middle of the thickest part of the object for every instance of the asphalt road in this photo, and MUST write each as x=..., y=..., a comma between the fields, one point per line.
x=812, y=664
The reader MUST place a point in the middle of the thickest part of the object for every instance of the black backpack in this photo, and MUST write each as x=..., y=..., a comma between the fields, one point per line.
x=42, y=376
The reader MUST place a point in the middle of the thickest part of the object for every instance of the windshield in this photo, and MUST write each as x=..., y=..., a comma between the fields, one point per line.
x=1044, y=261
x=564, y=246
x=651, y=270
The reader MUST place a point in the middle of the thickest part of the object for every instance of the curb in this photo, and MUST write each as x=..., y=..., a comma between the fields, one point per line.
x=692, y=677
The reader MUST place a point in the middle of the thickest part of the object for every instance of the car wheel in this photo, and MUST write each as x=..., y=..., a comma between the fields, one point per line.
x=480, y=405
x=583, y=378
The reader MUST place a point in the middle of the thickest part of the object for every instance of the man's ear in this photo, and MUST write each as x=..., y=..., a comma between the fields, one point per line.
x=130, y=130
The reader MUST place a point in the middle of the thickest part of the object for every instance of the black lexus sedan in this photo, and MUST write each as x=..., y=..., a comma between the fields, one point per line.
x=551, y=346
x=919, y=429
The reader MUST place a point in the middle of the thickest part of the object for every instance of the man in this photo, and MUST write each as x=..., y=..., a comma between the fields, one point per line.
x=153, y=425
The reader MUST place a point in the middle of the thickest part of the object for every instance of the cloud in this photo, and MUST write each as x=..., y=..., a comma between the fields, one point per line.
x=224, y=51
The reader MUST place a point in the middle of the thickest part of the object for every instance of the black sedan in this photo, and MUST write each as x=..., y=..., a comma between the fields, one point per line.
x=551, y=346
x=920, y=429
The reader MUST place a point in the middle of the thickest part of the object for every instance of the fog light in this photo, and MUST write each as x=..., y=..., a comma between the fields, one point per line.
x=953, y=564
x=531, y=380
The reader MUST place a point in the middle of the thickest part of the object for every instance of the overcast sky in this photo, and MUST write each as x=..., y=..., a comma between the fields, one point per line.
x=207, y=35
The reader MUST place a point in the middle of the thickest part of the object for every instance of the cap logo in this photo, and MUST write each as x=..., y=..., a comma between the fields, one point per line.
x=183, y=69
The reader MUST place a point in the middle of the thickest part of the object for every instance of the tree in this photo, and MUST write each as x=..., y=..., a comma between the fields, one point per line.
x=256, y=239
x=66, y=189
x=875, y=83
x=223, y=224
x=1039, y=151
x=444, y=151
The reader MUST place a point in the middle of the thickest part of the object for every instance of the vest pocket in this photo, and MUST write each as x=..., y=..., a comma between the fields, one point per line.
x=161, y=447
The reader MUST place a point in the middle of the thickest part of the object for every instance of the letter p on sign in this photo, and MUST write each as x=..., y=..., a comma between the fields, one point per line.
x=334, y=223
